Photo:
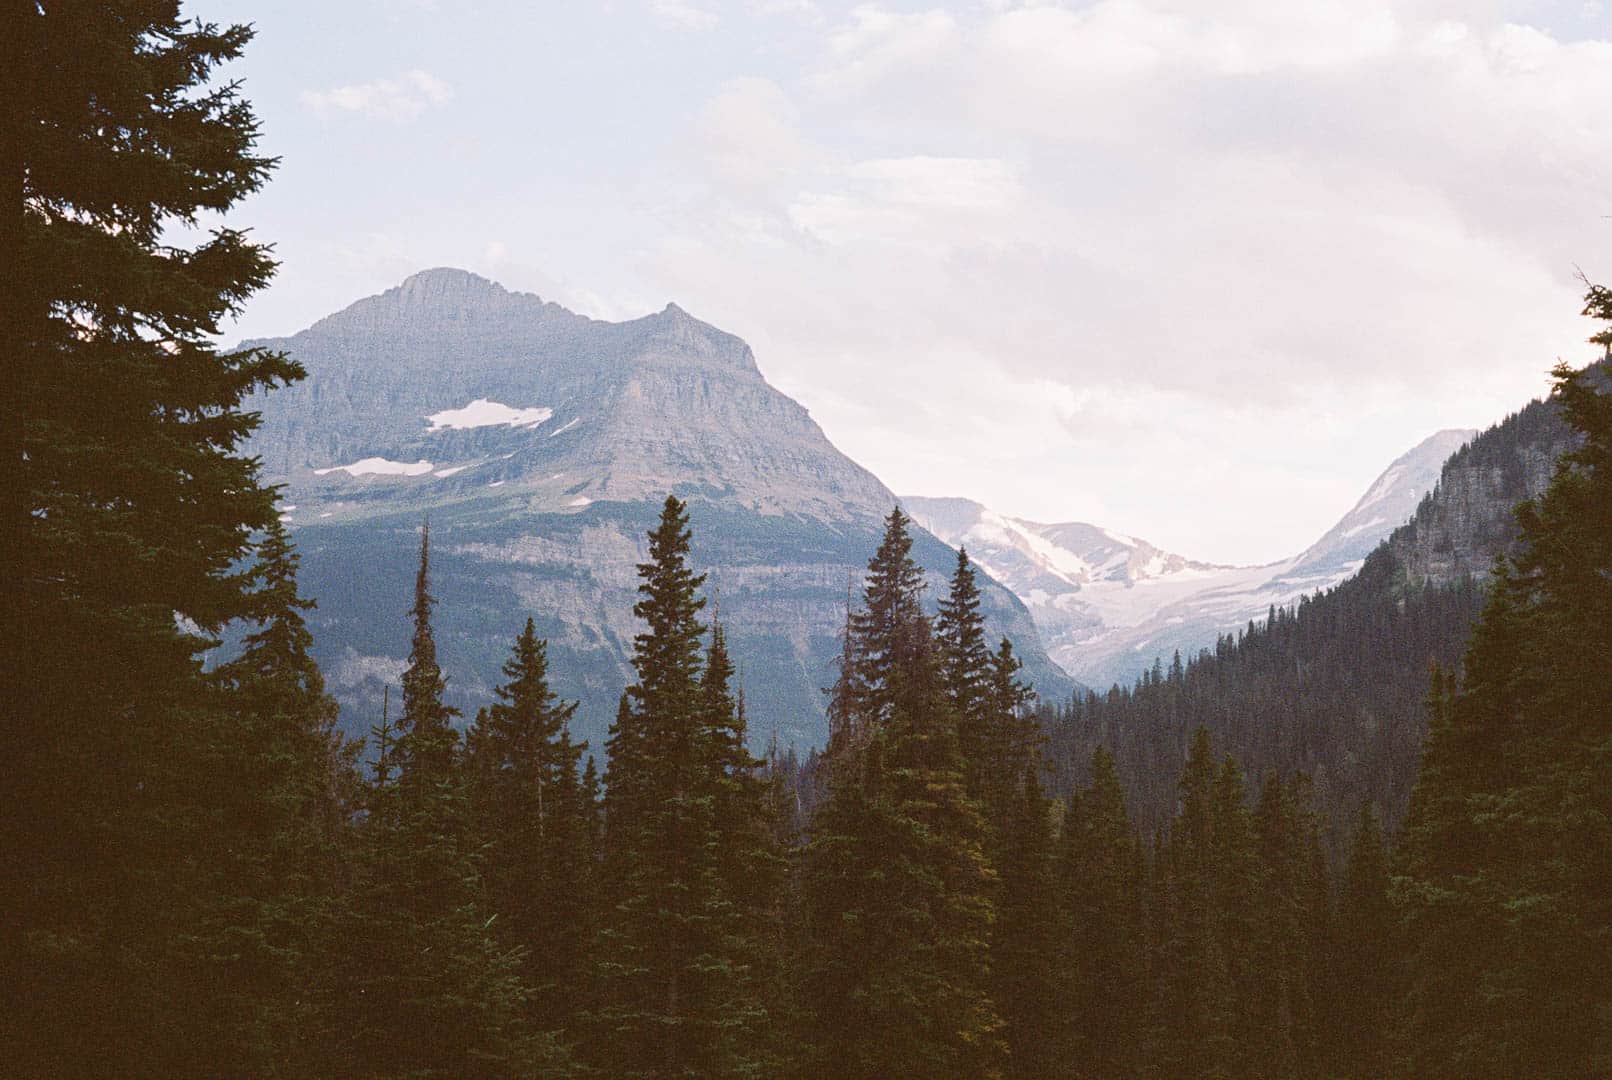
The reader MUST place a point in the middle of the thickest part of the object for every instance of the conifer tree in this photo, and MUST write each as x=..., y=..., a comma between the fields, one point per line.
x=895, y=973
x=965, y=668
x=532, y=819
x=1504, y=856
x=593, y=799
x=1100, y=931
x=750, y=870
x=1368, y=957
x=996, y=735
x=1195, y=987
x=1024, y=961
x=427, y=740
x=664, y=978
x=285, y=788
x=429, y=990
x=1014, y=746
x=1318, y=936
x=125, y=502
x=1232, y=868
x=1273, y=1009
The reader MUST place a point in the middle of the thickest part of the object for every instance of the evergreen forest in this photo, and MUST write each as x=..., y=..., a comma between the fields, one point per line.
x=1204, y=876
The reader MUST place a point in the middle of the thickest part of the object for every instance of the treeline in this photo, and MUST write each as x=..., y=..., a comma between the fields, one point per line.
x=1334, y=687
x=475, y=906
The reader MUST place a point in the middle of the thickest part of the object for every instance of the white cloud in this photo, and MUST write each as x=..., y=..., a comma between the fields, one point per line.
x=399, y=99
x=942, y=182
x=1150, y=259
x=749, y=133
x=875, y=43
x=1194, y=271
x=801, y=9
x=682, y=14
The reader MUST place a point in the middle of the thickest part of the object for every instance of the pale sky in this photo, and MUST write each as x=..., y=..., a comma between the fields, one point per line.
x=1191, y=271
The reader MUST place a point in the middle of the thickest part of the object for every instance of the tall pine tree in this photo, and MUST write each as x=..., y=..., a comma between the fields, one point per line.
x=664, y=978
x=1100, y=943
x=750, y=868
x=429, y=991
x=1368, y=958
x=896, y=887
x=125, y=502
x=277, y=847
x=1194, y=980
x=1506, y=852
x=533, y=820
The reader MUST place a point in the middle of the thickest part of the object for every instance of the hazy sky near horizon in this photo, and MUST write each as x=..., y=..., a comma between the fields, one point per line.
x=1192, y=274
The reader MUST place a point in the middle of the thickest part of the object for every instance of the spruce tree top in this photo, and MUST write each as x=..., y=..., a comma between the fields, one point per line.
x=428, y=740
x=960, y=628
x=280, y=649
x=890, y=625
x=667, y=654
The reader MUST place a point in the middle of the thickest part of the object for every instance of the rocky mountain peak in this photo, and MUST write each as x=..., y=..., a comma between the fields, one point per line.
x=1388, y=503
x=447, y=283
x=444, y=304
x=672, y=333
x=543, y=443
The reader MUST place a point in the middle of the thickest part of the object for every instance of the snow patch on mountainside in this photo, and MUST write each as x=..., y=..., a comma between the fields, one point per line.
x=1356, y=530
x=485, y=413
x=1383, y=487
x=375, y=466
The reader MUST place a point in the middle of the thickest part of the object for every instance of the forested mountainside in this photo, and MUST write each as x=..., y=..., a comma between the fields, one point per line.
x=1335, y=686
x=540, y=443
x=1107, y=603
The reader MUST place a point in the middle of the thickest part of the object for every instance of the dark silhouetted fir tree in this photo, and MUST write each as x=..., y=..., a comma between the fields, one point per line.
x=1024, y=963
x=1193, y=977
x=1504, y=860
x=533, y=820
x=896, y=891
x=124, y=502
x=428, y=990
x=668, y=977
x=1100, y=940
x=1369, y=951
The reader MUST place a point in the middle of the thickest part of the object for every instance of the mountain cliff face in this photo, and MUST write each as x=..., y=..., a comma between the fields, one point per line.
x=542, y=443
x=1108, y=605
x=1467, y=521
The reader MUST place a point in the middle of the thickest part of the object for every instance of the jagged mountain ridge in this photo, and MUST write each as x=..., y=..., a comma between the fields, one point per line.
x=1109, y=604
x=1336, y=689
x=542, y=443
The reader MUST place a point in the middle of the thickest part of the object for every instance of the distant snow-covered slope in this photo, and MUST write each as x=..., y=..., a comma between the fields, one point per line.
x=1108, y=604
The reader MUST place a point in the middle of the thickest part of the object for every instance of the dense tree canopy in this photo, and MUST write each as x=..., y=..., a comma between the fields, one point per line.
x=203, y=885
x=1509, y=841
